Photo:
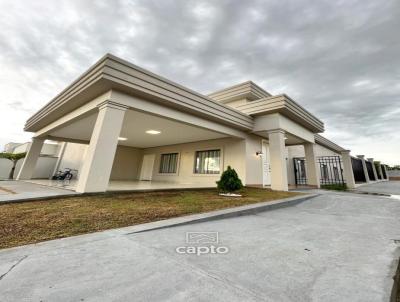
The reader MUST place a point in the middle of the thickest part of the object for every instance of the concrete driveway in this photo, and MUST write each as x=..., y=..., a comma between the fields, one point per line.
x=335, y=247
x=386, y=187
x=13, y=191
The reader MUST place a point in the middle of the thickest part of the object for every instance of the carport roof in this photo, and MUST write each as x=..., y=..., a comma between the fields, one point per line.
x=111, y=72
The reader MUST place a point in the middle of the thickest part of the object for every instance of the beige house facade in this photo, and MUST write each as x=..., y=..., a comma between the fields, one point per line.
x=121, y=123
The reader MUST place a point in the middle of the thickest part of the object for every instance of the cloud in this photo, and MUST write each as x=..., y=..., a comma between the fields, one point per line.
x=339, y=59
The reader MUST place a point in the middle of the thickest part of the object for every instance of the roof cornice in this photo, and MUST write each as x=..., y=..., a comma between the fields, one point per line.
x=246, y=90
x=287, y=107
x=111, y=72
x=323, y=141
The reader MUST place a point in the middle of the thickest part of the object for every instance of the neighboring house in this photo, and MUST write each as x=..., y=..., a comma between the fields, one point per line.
x=45, y=164
x=121, y=122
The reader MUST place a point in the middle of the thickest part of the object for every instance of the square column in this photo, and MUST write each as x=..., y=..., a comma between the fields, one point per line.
x=371, y=160
x=364, y=168
x=348, y=169
x=279, y=179
x=31, y=158
x=387, y=175
x=312, y=169
x=96, y=169
x=380, y=170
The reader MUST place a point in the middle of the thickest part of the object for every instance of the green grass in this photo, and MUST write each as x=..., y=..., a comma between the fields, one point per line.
x=335, y=187
x=31, y=222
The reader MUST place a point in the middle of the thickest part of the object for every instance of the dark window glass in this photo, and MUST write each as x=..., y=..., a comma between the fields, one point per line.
x=168, y=163
x=207, y=162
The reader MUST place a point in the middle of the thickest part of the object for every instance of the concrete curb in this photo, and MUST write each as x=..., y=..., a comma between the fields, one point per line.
x=220, y=214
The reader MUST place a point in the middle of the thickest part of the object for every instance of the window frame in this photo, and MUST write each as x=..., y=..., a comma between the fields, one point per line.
x=208, y=150
x=177, y=164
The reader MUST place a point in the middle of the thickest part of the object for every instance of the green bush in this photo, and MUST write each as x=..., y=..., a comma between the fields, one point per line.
x=229, y=181
x=336, y=187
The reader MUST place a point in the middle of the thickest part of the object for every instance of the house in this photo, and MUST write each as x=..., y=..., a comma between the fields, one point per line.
x=121, y=124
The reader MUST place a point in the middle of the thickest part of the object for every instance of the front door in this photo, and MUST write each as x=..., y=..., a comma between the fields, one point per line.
x=266, y=164
x=146, y=172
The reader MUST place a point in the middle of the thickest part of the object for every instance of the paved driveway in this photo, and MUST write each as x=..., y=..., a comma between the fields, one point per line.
x=20, y=190
x=386, y=187
x=335, y=247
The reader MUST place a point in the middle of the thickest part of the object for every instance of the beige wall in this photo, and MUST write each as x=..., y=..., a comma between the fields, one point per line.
x=232, y=153
x=253, y=161
x=127, y=163
x=73, y=157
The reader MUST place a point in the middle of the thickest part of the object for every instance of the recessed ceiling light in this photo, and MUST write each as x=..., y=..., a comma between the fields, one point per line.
x=153, y=132
x=122, y=138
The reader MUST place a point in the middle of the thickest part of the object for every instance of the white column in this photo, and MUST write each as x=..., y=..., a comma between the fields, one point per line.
x=31, y=158
x=387, y=174
x=312, y=169
x=371, y=160
x=362, y=157
x=279, y=179
x=380, y=170
x=96, y=169
x=348, y=169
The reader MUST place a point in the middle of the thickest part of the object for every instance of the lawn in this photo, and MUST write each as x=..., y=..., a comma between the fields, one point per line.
x=31, y=222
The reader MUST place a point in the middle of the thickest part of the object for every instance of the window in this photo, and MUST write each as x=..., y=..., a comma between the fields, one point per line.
x=168, y=163
x=207, y=162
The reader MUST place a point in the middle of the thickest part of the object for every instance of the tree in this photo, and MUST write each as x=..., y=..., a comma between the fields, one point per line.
x=229, y=181
x=14, y=157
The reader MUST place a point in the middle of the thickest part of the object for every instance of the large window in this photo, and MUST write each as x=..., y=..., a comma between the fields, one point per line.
x=207, y=162
x=168, y=163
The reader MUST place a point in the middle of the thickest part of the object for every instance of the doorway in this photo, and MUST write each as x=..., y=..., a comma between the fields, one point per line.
x=146, y=173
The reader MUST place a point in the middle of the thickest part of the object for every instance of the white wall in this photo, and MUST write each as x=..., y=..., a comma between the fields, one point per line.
x=73, y=157
x=254, y=168
x=44, y=167
x=127, y=163
x=232, y=153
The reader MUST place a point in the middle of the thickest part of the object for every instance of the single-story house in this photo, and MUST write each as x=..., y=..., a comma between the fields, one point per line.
x=120, y=123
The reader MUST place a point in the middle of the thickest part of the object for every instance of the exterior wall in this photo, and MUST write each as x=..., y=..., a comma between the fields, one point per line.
x=127, y=163
x=73, y=157
x=232, y=153
x=254, y=168
x=44, y=167
x=47, y=149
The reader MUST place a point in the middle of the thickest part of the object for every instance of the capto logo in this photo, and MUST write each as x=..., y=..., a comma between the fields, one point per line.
x=201, y=243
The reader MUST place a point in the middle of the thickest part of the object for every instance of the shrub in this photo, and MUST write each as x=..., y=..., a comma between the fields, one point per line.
x=335, y=187
x=229, y=181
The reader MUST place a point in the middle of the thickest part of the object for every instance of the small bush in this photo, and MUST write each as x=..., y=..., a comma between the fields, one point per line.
x=229, y=181
x=335, y=187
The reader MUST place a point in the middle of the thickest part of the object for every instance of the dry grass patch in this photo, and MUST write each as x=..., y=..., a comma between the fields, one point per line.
x=31, y=222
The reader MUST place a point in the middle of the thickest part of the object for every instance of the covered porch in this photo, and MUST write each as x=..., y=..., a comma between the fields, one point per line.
x=131, y=145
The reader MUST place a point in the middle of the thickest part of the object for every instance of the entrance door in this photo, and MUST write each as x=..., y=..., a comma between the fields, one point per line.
x=146, y=172
x=266, y=164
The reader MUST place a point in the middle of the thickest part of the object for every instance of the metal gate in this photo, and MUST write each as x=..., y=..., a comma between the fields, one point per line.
x=331, y=170
x=370, y=170
x=300, y=175
x=358, y=170
x=383, y=172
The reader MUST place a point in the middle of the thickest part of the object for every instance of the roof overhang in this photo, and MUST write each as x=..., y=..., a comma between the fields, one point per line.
x=320, y=140
x=286, y=106
x=247, y=90
x=113, y=73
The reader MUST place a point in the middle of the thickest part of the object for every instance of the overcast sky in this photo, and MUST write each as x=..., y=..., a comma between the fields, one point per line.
x=339, y=59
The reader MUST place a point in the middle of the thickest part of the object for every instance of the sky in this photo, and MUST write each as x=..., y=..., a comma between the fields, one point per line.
x=338, y=59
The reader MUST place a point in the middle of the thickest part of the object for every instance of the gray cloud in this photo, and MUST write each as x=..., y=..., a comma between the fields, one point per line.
x=339, y=59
